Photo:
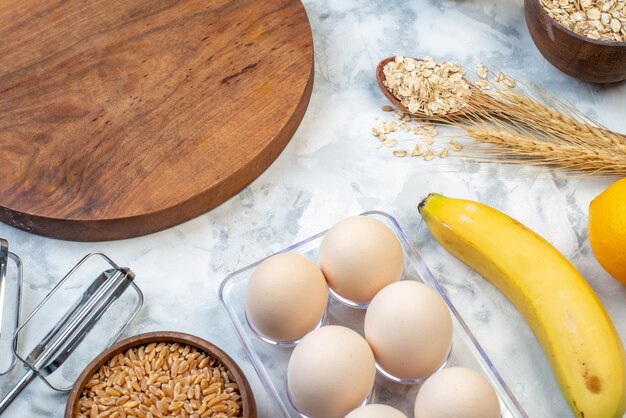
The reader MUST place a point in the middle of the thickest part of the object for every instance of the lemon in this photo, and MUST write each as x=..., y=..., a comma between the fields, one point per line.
x=607, y=229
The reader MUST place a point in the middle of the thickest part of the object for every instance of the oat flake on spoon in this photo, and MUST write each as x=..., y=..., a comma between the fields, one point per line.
x=423, y=86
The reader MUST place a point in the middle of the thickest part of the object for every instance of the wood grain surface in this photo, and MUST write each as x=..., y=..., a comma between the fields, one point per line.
x=248, y=402
x=576, y=55
x=120, y=118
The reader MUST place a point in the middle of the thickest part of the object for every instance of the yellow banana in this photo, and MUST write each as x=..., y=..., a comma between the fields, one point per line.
x=575, y=332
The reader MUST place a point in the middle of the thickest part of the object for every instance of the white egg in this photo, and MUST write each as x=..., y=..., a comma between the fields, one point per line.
x=359, y=256
x=409, y=327
x=376, y=411
x=286, y=297
x=330, y=372
x=457, y=392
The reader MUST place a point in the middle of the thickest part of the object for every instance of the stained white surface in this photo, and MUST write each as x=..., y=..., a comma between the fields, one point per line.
x=332, y=169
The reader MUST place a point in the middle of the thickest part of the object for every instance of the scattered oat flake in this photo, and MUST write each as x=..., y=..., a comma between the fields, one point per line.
x=429, y=155
x=390, y=143
x=504, y=80
x=375, y=132
x=443, y=153
x=416, y=151
x=387, y=108
x=481, y=70
x=455, y=145
x=400, y=153
x=418, y=129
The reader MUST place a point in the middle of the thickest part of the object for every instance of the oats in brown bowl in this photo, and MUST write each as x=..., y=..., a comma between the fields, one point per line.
x=596, y=19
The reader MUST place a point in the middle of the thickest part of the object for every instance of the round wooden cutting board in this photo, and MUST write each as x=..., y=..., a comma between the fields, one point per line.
x=120, y=118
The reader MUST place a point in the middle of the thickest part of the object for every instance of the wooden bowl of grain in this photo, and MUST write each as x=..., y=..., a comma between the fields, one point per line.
x=581, y=56
x=164, y=373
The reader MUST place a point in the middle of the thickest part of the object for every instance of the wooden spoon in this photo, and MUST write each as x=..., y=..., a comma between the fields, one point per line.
x=478, y=99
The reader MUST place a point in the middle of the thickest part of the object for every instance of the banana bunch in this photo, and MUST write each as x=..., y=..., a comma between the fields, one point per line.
x=575, y=332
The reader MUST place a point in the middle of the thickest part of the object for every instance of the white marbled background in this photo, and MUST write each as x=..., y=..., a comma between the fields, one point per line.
x=332, y=169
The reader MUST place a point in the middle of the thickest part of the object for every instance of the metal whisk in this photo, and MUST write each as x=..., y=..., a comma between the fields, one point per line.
x=67, y=343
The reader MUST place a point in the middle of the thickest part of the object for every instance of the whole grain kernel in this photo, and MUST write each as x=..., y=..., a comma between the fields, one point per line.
x=160, y=380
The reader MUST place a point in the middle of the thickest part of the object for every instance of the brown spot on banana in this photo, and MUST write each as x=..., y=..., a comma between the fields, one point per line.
x=593, y=383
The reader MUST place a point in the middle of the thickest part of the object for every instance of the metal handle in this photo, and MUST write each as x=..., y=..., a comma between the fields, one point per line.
x=4, y=260
x=5, y=255
x=17, y=389
x=61, y=340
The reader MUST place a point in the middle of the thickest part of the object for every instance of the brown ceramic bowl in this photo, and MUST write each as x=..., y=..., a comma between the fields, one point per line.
x=247, y=398
x=577, y=55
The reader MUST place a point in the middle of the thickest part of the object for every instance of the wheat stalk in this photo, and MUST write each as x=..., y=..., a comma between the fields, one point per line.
x=512, y=126
x=566, y=123
x=516, y=148
x=509, y=122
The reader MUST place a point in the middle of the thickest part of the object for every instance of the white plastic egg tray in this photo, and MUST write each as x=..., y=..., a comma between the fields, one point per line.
x=270, y=361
